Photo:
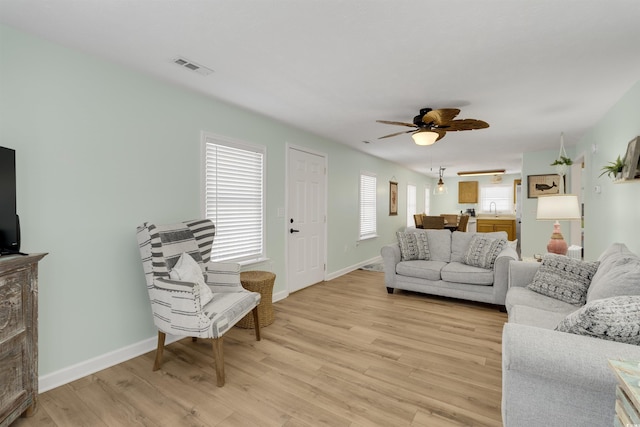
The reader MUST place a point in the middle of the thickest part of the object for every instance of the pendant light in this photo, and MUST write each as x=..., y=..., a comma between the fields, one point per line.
x=440, y=188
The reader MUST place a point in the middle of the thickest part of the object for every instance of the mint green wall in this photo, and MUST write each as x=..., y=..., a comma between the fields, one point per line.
x=101, y=149
x=613, y=215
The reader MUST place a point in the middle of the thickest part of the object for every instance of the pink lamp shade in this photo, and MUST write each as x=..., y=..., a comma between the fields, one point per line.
x=558, y=207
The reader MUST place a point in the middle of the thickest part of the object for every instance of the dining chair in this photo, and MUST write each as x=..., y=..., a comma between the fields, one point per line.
x=463, y=223
x=436, y=222
x=417, y=218
x=451, y=219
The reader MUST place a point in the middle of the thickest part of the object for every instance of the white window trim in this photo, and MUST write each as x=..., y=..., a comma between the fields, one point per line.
x=374, y=233
x=412, y=210
x=226, y=141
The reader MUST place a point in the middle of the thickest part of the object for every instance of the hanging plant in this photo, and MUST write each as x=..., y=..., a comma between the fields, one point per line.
x=562, y=160
x=613, y=168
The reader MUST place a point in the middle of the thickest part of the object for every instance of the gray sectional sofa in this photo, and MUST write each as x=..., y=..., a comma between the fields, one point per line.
x=448, y=271
x=553, y=378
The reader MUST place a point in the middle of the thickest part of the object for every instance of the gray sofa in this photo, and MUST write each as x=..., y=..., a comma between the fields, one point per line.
x=445, y=273
x=552, y=378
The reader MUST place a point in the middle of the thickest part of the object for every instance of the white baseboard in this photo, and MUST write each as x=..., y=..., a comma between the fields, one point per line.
x=104, y=361
x=343, y=271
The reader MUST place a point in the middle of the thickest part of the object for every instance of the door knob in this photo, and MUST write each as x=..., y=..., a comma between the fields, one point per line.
x=291, y=230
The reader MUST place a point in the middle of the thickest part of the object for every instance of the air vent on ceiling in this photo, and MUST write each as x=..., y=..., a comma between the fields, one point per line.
x=190, y=65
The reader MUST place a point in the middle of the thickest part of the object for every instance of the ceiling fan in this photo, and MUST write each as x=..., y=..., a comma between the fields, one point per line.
x=431, y=125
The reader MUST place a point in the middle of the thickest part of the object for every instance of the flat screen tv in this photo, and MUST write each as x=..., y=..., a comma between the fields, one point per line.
x=9, y=224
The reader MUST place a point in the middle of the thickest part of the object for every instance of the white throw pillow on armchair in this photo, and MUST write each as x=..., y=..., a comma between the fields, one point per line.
x=188, y=270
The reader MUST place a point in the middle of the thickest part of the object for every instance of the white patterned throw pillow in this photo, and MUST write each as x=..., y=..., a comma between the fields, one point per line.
x=565, y=279
x=613, y=319
x=483, y=251
x=188, y=270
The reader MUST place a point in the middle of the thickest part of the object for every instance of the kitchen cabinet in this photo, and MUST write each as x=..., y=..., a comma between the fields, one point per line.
x=489, y=225
x=468, y=192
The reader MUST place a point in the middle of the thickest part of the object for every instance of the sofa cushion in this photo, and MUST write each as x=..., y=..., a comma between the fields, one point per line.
x=613, y=319
x=439, y=245
x=422, y=269
x=563, y=278
x=533, y=316
x=483, y=251
x=618, y=274
x=467, y=274
x=460, y=241
x=523, y=296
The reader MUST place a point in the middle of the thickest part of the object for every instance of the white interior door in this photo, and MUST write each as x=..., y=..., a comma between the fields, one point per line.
x=306, y=218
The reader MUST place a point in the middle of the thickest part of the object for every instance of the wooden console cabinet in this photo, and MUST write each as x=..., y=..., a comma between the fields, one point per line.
x=488, y=225
x=18, y=336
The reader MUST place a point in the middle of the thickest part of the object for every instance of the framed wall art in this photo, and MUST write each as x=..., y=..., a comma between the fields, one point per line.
x=631, y=160
x=393, y=198
x=542, y=185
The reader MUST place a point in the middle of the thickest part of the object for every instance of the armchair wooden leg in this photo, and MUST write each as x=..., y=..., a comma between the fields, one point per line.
x=159, y=350
x=218, y=356
x=256, y=322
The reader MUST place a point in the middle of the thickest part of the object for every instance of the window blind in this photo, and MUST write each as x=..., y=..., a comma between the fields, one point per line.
x=234, y=199
x=367, y=206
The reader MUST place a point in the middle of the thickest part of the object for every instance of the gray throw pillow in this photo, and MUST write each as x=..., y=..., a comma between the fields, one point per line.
x=565, y=279
x=423, y=245
x=613, y=319
x=408, y=245
x=483, y=251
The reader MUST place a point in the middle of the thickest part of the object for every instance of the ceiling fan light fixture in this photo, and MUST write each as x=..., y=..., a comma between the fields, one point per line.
x=485, y=172
x=425, y=137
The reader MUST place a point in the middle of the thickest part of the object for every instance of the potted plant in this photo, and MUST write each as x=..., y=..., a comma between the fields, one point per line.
x=561, y=164
x=613, y=169
x=562, y=160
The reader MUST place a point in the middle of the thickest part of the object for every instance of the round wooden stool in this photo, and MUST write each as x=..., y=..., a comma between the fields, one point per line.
x=261, y=282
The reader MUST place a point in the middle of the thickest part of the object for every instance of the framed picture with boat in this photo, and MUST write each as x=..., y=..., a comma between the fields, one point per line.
x=542, y=185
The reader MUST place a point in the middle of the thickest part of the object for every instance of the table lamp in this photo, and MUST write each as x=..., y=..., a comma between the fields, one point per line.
x=558, y=207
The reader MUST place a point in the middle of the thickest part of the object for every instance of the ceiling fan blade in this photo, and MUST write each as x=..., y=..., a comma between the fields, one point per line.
x=466, y=124
x=441, y=116
x=397, y=133
x=441, y=133
x=388, y=122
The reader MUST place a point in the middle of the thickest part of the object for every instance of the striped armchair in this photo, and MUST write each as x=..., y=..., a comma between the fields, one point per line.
x=179, y=307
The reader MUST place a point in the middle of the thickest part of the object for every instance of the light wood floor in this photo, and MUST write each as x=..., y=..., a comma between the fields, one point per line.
x=340, y=353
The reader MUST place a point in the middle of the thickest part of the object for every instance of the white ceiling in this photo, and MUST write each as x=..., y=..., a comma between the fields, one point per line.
x=531, y=69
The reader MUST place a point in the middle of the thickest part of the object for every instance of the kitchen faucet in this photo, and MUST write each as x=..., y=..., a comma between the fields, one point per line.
x=494, y=207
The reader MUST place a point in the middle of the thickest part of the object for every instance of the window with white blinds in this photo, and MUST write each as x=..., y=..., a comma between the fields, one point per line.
x=367, y=206
x=234, y=198
x=501, y=195
x=411, y=204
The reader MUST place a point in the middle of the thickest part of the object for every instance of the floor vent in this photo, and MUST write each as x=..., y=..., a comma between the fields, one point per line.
x=190, y=65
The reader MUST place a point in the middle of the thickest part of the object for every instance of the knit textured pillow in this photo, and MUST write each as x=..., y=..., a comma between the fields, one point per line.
x=563, y=278
x=613, y=319
x=483, y=251
x=408, y=246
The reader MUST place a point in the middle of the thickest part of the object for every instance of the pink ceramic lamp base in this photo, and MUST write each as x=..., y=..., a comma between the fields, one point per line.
x=557, y=244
